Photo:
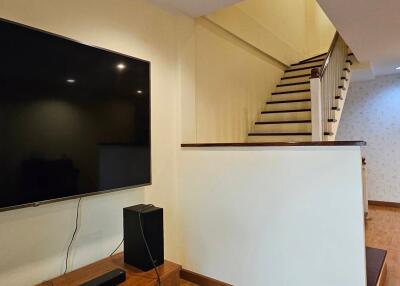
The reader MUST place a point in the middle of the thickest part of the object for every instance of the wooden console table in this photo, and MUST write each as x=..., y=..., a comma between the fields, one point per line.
x=169, y=273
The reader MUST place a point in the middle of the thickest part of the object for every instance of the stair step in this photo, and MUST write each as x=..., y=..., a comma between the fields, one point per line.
x=308, y=75
x=314, y=57
x=285, y=116
x=302, y=69
x=291, y=87
x=286, y=111
x=293, y=83
x=283, y=106
x=291, y=91
x=281, y=134
x=271, y=127
x=307, y=62
x=283, y=122
x=260, y=139
x=288, y=101
x=291, y=96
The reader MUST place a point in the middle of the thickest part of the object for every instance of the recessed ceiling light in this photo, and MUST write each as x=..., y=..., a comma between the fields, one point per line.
x=398, y=68
x=139, y=91
x=120, y=66
x=71, y=80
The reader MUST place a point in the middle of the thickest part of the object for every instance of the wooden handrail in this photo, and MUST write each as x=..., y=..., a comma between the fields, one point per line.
x=329, y=55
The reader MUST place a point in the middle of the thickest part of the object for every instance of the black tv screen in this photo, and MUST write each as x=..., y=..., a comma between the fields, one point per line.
x=74, y=119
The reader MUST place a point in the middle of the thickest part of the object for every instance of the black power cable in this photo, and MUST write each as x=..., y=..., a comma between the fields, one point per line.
x=147, y=246
x=73, y=235
x=119, y=245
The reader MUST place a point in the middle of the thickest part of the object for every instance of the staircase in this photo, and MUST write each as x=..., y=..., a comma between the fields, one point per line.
x=287, y=116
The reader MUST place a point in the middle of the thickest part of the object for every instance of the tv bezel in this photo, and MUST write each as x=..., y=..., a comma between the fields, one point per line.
x=44, y=202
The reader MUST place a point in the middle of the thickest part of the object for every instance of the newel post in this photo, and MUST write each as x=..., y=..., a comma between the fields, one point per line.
x=316, y=105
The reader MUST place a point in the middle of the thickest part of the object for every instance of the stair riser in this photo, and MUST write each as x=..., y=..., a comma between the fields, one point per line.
x=292, y=87
x=285, y=128
x=291, y=96
x=292, y=116
x=288, y=106
x=300, y=72
x=292, y=80
x=279, y=138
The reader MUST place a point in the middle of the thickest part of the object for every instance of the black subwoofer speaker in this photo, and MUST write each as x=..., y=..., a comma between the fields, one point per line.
x=149, y=219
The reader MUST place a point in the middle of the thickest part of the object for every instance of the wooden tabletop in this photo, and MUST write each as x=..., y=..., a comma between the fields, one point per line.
x=169, y=272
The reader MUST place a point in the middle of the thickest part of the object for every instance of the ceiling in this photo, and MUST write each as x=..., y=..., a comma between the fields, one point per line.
x=372, y=30
x=195, y=8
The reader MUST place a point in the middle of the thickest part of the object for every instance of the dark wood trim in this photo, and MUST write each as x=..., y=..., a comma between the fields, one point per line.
x=294, y=83
x=277, y=144
x=314, y=57
x=200, y=279
x=375, y=259
x=286, y=111
x=296, y=76
x=288, y=101
x=291, y=91
x=307, y=62
x=281, y=134
x=315, y=73
x=301, y=69
x=282, y=122
x=384, y=204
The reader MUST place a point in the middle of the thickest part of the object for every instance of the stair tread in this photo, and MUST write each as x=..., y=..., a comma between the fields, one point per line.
x=283, y=122
x=314, y=57
x=296, y=76
x=294, y=83
x=304, y=68
x=307, y=62
x=286, y=111
x=289, y=101
x=280, y=134
x=291, y=91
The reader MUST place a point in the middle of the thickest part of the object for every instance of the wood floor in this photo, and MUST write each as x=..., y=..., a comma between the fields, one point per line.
x=383, y=231
x=186, y=283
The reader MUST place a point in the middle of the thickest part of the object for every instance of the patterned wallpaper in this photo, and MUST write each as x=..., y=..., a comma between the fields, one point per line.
x=372, y=113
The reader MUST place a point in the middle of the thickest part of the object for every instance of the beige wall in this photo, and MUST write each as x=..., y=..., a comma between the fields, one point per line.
x=34, y=240
x=288, y=30
x=233, y=81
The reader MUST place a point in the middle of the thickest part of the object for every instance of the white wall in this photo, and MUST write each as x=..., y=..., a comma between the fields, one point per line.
x=371, y=113
x=265, y=216
x=34, y=241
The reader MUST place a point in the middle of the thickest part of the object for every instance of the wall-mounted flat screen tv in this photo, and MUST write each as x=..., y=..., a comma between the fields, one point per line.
x=74, y=119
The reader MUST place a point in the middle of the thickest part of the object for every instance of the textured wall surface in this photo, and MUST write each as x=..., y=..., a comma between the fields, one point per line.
x=372, y=113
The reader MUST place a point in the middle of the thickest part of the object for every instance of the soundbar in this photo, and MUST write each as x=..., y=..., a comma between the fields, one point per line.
x=111, y=278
